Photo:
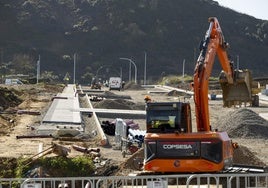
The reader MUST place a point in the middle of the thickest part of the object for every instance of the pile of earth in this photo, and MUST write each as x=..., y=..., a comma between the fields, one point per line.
x=8, y=98
x=177, y=93
x=132, y=163
x=242, y=155
x=109, y=94
x=244, y=123
x=133, y=86
x=119, y=104
x=114, y=104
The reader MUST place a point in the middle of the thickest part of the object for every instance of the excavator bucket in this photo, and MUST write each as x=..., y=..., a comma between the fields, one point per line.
x=239, y=91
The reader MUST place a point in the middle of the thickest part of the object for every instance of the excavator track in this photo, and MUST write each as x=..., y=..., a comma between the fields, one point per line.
x=236, y=169
x=232, y=170
x=241, y=168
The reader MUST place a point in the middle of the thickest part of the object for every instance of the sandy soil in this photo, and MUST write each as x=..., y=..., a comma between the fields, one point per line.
x=35, y=99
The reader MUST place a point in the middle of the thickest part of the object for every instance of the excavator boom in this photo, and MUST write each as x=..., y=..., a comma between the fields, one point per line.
x=235, y=83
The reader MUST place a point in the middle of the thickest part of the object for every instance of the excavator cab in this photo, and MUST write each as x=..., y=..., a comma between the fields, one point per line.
x=239, y=91
x=168, y=117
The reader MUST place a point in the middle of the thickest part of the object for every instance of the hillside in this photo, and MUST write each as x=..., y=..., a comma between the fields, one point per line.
x=102, y=31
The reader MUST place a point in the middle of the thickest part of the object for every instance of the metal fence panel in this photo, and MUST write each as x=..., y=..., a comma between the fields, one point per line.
x=230, y=180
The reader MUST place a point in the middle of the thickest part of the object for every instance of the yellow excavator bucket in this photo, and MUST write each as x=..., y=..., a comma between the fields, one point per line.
x=240, y=91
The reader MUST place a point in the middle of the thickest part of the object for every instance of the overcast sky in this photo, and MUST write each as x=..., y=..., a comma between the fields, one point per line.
x=256, y=8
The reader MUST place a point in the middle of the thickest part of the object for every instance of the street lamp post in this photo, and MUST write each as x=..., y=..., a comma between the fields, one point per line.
x=129, y=72
x=74, y=65
x=122, y=58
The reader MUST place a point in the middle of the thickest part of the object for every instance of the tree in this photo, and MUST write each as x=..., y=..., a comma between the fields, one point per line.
x=49, y=77
x=22, y=64
x=87, y=76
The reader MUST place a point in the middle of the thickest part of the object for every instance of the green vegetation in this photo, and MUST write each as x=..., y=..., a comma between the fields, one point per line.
x=7, y=166
x=175, y=80
x=57, y=167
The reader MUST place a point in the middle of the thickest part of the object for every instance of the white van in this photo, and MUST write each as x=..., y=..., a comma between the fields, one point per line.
x=115, y=83
x=9, y=81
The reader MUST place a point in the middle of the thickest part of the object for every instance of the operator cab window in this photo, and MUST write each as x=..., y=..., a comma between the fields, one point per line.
x=159, y=121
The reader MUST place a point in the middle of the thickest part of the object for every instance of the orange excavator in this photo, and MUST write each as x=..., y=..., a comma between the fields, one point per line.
x=170, y=144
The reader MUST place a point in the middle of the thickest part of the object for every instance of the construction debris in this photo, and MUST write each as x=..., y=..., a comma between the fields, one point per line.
x=34, y=136
x=85, y=150
x=55, y=148
x=29, y=112
x=96, y=98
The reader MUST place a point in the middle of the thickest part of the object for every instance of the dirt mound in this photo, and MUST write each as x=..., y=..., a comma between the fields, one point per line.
x=8, y=98
x=133, y=86
x=243, y=155
x=244, y=123
x=111, y=95
x=108, y=93
x=177, y=93
x=114, y=104
x=132, y=164
x=173, y=93
x=119, y=104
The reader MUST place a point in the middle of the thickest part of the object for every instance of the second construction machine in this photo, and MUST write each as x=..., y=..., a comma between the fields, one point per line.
x=170, y=143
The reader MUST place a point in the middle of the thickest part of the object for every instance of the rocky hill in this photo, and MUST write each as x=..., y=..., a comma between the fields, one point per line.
x=102, y=31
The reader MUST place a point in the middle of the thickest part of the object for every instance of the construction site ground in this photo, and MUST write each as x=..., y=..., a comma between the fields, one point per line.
x=243, y=124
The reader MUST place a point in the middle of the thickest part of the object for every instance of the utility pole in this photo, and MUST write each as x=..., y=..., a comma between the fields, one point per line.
x=121, y=73
x=183, y=65
x=38, y=69
x=145, y=59
x=237, y=59
x=2, y=55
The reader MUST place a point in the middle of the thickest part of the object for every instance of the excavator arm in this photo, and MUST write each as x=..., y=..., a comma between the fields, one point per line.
x=214, y=44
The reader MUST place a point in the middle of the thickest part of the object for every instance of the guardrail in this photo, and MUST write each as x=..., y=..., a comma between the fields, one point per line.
x=242, y=180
